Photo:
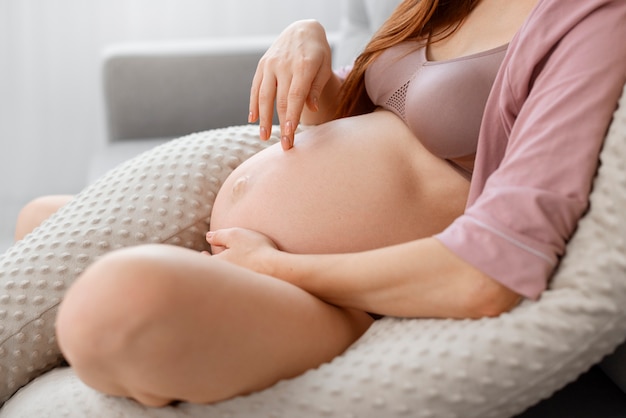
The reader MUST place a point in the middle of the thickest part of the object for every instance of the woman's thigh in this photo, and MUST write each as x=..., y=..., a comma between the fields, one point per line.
x=166, y=323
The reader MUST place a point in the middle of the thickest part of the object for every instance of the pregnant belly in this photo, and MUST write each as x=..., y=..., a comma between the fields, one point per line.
x=348, y=185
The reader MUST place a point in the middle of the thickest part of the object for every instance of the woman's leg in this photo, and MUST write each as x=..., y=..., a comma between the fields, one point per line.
x=36, y=211
x=159, y=323
x=162, y=196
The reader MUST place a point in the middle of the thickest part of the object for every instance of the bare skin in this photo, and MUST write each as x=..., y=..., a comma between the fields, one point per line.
x=158, y=323
x=200, y=329
x=300, y=60
x=361, y=187
x=37, y=211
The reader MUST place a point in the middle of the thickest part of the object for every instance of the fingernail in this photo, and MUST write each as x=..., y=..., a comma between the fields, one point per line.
x=316, y=104
x=263, y=133
x=285, y=142
x=288, y=128
x=250, y=119
x=209, y=234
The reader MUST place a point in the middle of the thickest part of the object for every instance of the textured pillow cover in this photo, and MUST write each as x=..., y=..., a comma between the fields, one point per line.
x=492, y=367
x=163, y=196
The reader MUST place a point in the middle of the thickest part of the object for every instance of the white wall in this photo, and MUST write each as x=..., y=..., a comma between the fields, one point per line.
x=50, y=101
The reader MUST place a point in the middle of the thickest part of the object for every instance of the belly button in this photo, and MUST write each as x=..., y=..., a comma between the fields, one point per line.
x=239, y=187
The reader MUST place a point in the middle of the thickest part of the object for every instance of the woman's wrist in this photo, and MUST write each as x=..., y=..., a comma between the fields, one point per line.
x=309, y=272
x=282, y=266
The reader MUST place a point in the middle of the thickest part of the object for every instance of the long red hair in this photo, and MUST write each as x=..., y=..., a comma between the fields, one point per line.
x=430, y=20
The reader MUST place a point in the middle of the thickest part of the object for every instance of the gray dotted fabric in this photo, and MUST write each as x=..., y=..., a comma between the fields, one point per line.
x=163, y=196
x=493, y=367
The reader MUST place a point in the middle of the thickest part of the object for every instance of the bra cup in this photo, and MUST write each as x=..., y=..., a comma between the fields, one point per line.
x=442, y=102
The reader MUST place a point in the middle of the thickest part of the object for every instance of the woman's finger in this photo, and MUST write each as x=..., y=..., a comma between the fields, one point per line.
x=216, y=238
x=253, y=109
x=310, y=77
x=317, y=86
x=266, y=98
x=283, y=99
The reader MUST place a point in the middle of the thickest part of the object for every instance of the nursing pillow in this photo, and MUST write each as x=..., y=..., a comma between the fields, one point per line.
x=162, y=196
x=492, y=367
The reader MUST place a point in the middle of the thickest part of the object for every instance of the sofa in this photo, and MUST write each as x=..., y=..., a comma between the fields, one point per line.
x=156, y=92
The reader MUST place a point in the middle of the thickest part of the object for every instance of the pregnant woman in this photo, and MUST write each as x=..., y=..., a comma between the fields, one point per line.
x=369, y=211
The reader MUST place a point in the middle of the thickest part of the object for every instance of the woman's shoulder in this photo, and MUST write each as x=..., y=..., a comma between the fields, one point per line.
x=552, y=20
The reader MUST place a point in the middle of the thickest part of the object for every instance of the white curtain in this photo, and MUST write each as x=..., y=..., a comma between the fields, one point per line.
x=50, y=101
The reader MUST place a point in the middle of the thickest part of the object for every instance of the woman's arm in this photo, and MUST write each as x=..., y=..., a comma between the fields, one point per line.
x=417, y=279
x=548, y=115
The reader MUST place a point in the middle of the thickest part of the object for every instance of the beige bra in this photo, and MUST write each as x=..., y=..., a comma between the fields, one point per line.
x=442, y=102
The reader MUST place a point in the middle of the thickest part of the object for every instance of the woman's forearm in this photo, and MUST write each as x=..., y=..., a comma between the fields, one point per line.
x=417, y=279
x=420, y=278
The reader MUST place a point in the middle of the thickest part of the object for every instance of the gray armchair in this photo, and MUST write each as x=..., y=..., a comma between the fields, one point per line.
x=154, y=92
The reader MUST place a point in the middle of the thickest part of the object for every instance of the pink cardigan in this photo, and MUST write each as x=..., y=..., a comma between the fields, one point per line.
x=540, y=138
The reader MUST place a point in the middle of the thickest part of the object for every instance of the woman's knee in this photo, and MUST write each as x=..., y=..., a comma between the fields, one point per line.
x=105, y=312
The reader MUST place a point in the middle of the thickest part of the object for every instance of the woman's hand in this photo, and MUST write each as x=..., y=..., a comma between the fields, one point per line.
x=292, y=73
x=244, y=247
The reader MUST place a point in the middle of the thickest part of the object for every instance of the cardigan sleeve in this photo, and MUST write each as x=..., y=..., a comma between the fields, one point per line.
x=540, y=140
